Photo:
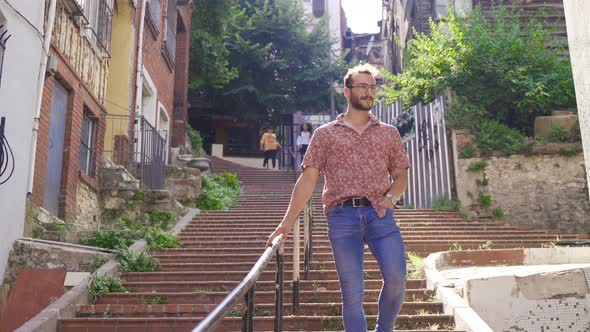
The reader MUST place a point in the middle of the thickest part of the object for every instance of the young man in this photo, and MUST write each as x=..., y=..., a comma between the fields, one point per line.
x=357, y=154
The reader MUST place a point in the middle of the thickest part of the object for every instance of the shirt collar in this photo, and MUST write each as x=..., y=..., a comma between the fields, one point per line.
x=372, y=120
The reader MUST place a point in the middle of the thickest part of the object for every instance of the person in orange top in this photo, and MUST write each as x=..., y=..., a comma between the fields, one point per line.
x=269, y=144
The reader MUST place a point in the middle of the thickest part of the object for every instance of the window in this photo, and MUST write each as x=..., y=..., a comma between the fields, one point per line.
x=170, y=43
x=154, y=13
x=99, y=14
x=441, y=7
x=87, y=148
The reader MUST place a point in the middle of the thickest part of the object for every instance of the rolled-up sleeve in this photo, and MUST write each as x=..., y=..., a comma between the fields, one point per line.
x=398, y=158
x=316, y=151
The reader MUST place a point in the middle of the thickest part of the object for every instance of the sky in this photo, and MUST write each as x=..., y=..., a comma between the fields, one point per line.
x=362, y=15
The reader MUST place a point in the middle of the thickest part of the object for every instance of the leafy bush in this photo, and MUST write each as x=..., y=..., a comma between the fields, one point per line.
x=468, y=151
x=109, y=239
x=128, y=231
x=508, y=67
x=558, y=134
x=196, y=141
x=218, y=192
x=59, y=226
x=160, y=219
x=139, y=195
x=443, y=204
x=99, y=261
x=464, y=113
x=568, y=152
x=485, y=200
x=497, y=213
x=106, y=284
x=158, y=239
x=492, y=135
x=477, y=166
x=37, y=230
x=131, y=262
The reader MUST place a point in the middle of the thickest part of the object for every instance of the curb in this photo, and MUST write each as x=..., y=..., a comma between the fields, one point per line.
x=465, y=317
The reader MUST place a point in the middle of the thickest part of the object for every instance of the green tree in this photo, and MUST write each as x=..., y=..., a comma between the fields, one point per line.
x=511, y=69
x=209, y=55
x=278, y=65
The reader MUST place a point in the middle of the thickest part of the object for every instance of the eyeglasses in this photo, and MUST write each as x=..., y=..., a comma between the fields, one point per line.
x=364, y=88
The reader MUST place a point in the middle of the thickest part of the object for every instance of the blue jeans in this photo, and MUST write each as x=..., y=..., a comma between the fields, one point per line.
x=349, y=228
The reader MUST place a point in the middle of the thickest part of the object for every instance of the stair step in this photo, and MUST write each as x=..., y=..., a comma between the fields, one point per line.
x=268, y=285
x=297, y=323
x=191, y=310
x=261, y=296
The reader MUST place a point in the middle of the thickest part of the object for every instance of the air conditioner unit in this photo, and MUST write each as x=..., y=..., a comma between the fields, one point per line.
x=52, y=62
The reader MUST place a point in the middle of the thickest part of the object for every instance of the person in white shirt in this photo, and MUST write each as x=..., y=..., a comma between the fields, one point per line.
x=304, y=138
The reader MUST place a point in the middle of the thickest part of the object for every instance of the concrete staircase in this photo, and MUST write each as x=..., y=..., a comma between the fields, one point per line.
x=220, y=247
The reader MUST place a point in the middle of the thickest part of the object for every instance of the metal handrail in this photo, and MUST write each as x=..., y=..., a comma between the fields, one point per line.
x=246, y=288
x=308, y=237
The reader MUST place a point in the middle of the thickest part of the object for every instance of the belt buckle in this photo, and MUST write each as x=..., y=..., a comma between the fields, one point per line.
x=354, y=202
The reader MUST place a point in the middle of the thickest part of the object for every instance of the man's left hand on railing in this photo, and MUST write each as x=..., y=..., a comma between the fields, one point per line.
x=278, y=231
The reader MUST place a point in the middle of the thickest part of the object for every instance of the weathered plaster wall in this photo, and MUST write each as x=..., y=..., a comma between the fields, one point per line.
x=543, y=192
x=45, y=255
x=555, y=301
x=578, y=25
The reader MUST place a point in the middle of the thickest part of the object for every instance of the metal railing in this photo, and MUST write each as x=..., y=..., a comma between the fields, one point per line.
x=246, y=288
x=308, y=237
x=132, y=142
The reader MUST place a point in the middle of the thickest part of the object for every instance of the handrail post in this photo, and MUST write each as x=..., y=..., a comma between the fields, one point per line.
x=307, y=238
x=247, y=323
x=310, y=225
x=296, y=255
x=279, y=286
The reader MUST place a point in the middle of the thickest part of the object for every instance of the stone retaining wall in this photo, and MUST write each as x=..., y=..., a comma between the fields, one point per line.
x=541, y=192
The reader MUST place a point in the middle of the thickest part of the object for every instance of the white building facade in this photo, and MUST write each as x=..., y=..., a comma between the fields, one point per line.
x=578, y=27
x=21, y=52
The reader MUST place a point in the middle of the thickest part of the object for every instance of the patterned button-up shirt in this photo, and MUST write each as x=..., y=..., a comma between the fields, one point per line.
x=353, y=164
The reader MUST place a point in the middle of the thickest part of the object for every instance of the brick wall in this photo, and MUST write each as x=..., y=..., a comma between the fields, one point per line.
x=180, y=115
x=79, y=98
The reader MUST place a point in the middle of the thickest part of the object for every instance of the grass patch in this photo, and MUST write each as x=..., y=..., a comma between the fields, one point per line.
x=497, y=213
x=155, y=299
x=568, y=152
x=443, y=204
x=477, y=166
x=417, y=264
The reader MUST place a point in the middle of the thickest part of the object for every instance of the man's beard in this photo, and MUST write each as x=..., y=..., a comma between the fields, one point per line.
x=362, y=104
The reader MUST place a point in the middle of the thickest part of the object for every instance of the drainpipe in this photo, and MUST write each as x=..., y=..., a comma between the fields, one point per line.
x=139, y=74
x=40, y=83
